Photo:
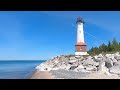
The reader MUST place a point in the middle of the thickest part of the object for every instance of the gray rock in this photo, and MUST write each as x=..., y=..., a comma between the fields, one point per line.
x=100, y=55
x=90, y=62
x=111, y=56
x=72, y=62
x=67, y=67
x=104, y=59
x=98, y=59
x=79, y=68
x=115, y=70
x=101, y=65
x=108, y=63
x=117, y=53
x=91, y=68
x=114, y=60
x=117, y=63
x=73, y=67
x=63, y=66
x=108, y=55
x=89, y=58
x=72, y=58
x=103, y=69
x=62, y=58
x=117, y=57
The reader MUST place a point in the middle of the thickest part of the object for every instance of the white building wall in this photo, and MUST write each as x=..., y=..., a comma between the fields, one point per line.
x=80, y=33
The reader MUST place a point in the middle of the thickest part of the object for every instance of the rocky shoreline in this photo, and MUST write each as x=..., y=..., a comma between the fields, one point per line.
x=71, y=67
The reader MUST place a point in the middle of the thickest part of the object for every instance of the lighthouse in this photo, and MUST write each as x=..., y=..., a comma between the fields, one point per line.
x=80, y=46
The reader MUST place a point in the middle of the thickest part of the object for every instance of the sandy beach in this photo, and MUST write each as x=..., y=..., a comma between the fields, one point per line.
x=96, y=67
x=48, y=75
x=99, y=76
x=41, y=75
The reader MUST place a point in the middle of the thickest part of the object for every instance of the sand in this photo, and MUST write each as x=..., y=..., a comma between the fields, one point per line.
x=48, y=75
x=42, y=75
x=100, y=76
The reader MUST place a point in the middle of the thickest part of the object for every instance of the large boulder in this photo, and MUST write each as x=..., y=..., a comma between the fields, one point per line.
x=102, y=69
x=73, y=58
x=79, y=68
x=43, y=67
x=55, y=68
x=115, y=70
x=67, y=67
x=90, y=62
x=73, y=67
x=56, y=61
x=89, y=58
x=72, y=62
x=104, y=59
x=114, y=60
x=108, y=63
x=97, y=59
x=91, y=68
x=111, y=56
x=63, y=66
x=117, y=57
x=108, y=55
x=117, y=63
x=100, y=55
x=117, y=53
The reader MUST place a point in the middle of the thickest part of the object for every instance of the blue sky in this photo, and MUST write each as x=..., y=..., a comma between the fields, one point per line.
x=36, y=35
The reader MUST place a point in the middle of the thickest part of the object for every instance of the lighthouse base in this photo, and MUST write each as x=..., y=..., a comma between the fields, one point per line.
x=81, y=53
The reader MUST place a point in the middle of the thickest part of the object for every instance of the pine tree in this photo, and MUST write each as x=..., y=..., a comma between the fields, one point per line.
x=115, y=45
x=114, y=41
x=109, y=46
x=112, y=46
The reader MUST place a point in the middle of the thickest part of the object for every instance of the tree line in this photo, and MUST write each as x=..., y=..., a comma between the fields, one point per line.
x=111, y=47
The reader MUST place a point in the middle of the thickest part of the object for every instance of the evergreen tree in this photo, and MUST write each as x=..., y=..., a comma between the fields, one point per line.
x=112, y=46
x=109, y=46
x=115, y=45
x=103, y=48
x=114, y=41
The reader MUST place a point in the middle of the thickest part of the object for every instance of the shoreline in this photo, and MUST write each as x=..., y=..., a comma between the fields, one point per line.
x=47, y=75
x=30, y=76
x=91, y=67
x=41, y=75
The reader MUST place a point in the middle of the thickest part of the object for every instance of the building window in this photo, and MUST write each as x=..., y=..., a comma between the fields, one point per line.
x=80, y=48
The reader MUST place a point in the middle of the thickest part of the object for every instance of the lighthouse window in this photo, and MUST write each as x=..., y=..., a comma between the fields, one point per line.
x=80, y=48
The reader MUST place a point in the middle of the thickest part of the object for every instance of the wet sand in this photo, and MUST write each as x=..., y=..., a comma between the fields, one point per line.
x=41, y=75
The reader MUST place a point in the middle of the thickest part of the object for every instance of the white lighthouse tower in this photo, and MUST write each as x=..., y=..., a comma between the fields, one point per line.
x=80, y=43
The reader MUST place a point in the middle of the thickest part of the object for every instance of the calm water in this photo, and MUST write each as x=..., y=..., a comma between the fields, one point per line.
x=18, y=69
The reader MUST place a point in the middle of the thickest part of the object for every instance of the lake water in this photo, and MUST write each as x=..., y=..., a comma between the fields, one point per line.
x=17, y=69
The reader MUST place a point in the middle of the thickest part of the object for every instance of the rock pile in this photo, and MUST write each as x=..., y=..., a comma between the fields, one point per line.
x=106, y=64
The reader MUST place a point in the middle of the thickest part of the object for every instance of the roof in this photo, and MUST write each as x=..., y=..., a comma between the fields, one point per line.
x=81, y=43
x=79, y=18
